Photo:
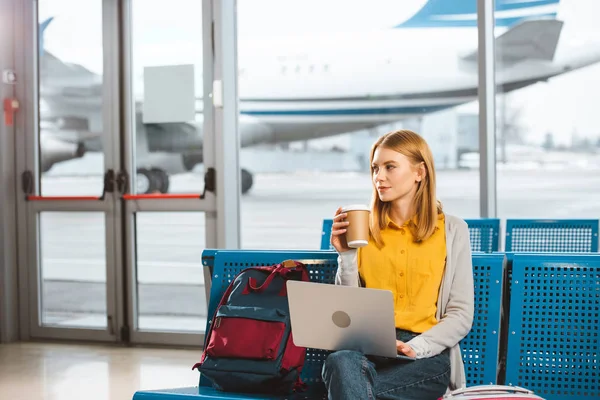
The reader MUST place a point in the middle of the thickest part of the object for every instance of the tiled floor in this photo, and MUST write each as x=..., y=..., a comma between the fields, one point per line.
x=41, y=371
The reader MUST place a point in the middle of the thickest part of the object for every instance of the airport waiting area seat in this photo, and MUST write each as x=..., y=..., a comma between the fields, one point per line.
x=480, y=348
x=547, y=236
x=522, y=235
x=553, y=342
x=326, y=235
x=484, y=234
x=554, y=236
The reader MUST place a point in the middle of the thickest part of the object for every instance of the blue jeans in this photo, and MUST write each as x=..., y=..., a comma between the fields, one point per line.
x=352, y=375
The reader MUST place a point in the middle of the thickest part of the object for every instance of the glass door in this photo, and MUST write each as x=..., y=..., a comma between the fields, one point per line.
x=71, y=162
x=167, y=210
x=122, y=187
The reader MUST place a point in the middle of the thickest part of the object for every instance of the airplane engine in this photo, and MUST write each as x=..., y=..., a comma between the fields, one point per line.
x=55, y=151
x=190, y=160
x=173, y=137
x=69, y=123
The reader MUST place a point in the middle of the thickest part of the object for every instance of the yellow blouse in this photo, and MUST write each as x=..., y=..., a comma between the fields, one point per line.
x=412, y=271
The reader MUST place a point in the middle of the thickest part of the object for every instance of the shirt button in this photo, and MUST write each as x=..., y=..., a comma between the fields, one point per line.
x=401, y=273
x=401, y=251
x=402, y=231
x=401, y=295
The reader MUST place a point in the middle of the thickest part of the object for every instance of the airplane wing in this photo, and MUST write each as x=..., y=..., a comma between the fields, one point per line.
x=53, y=66
x=529, y=40
x=74, y=136
x=50, y=65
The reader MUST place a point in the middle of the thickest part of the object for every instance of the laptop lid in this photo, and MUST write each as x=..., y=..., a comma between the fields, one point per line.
x=335, y=317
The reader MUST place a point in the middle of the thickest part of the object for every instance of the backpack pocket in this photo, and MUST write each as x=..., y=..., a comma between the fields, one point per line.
x=247, y=332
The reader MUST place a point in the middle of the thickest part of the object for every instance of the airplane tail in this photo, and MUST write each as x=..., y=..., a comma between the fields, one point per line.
x=463, y=13
x=52, y=66
x=528, y=40
x=42, y=28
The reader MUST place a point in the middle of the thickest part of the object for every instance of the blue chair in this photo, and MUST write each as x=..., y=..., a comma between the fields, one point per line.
x=553, y=342
x=484, y=233
x=479, y=348
x=553, y=236
x=225, y=265
x=326, y=235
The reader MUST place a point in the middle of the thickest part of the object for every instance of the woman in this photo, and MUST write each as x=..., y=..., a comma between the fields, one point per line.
x=424, y=257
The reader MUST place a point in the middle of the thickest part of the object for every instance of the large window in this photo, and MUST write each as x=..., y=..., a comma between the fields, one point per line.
x=71, y=161
x=548, y=132
x=318, y=88
x=166, y=58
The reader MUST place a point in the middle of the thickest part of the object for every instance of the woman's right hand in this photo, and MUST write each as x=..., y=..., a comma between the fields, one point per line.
x=338, y=231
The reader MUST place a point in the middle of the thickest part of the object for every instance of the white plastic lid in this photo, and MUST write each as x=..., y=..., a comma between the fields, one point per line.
x=356, y=207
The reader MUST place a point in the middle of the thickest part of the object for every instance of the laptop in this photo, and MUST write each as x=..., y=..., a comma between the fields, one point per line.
x=336, y=317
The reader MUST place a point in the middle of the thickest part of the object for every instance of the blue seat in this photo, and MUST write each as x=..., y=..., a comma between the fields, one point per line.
x=225, y=265
x=479, y=348
x=553, y=342
x=326, y=235
x=554, y=236
x=484, y=234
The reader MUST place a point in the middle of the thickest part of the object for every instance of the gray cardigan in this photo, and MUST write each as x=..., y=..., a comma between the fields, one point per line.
x=455, y=300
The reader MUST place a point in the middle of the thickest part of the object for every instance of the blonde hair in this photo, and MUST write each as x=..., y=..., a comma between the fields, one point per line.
x=427, y=207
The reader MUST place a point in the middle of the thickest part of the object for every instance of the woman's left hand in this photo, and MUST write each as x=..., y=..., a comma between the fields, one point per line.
x=405, y=349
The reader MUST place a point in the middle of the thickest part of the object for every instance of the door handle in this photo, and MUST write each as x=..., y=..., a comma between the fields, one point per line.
x=122, y=182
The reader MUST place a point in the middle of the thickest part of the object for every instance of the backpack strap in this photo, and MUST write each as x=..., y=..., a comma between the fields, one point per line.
x=252, y=284
x=279, y=270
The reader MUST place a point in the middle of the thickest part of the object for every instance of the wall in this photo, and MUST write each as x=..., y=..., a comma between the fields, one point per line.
x=8, y=270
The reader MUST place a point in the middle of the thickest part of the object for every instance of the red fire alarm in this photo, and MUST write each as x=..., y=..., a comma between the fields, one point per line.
x=10, y=107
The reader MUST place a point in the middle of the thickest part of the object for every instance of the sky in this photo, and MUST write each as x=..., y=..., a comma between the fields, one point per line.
x=566, y=104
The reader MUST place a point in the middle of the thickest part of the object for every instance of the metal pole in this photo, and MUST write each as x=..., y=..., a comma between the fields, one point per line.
x=487, y=109
x=225, y=118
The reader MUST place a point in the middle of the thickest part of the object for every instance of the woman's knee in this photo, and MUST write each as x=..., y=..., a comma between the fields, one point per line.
x=343, y=360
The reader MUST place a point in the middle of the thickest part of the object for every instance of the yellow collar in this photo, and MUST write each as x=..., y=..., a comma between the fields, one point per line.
x=414, y=220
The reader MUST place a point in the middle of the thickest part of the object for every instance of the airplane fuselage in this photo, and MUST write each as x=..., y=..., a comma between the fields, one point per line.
x=300, y=88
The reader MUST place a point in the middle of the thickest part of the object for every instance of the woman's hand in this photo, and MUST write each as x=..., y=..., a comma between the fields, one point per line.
x=338, y=232
x=405, y=349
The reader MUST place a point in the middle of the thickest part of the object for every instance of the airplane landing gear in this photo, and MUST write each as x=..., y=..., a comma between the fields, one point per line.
x=247, y=180
x=162, y=179
x=156, y=180
x=152, y=180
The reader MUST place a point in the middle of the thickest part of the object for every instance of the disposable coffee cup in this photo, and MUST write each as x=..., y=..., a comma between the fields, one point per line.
x=357, y=231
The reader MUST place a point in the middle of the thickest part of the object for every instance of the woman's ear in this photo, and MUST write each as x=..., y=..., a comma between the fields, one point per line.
x=421, y=171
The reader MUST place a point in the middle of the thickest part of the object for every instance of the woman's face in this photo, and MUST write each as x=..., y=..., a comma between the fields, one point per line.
x=394, y=176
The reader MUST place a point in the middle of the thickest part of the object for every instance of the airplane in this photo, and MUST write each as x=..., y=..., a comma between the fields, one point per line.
x=322, y=86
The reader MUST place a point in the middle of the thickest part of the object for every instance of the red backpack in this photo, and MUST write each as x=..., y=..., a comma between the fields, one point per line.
x=249, y=346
